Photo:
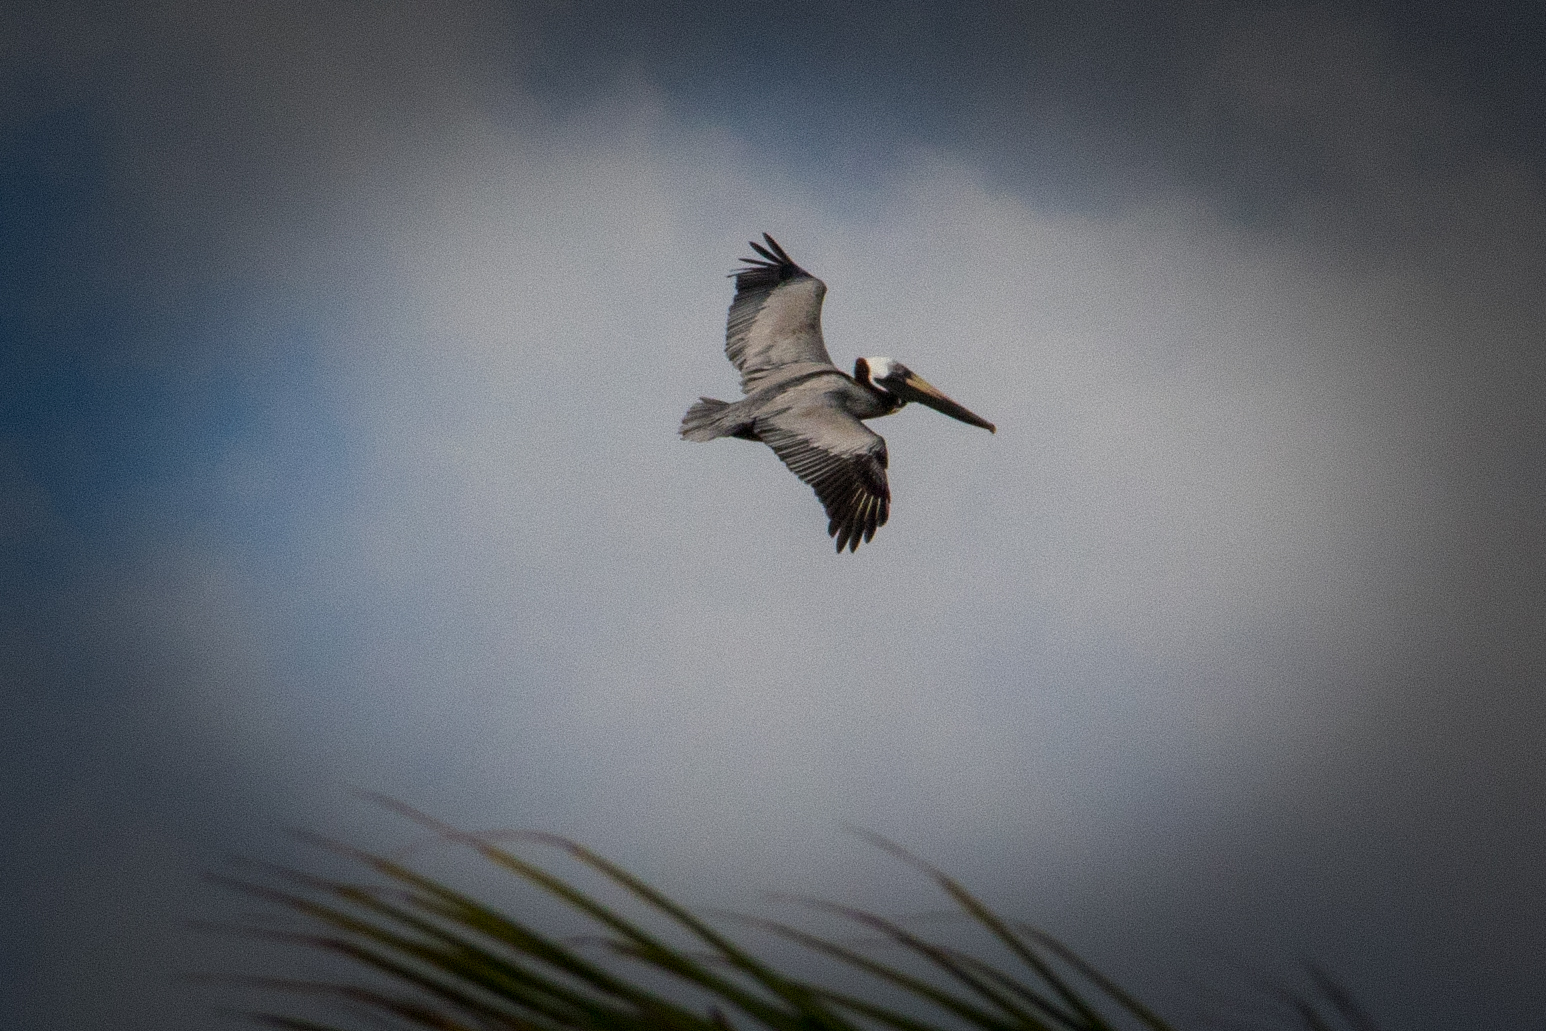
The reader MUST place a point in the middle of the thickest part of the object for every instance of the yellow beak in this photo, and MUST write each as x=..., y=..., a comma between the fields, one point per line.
x=916, y=388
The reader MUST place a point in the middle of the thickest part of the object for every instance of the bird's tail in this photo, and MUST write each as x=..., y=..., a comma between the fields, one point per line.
x=708, y=419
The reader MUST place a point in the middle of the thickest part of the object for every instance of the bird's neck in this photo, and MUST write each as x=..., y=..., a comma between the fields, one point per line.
x=889, y=401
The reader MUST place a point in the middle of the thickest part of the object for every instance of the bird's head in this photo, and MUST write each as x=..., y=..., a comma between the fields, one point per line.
x=897, y=380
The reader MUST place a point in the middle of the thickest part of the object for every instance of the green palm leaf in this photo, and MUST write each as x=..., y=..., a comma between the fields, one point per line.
x=427, y=955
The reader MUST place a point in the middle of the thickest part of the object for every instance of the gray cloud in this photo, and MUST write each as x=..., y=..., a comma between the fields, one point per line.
x=1231, y=634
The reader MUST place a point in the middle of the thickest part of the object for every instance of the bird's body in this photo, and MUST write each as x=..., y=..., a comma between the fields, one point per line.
x=804, y=407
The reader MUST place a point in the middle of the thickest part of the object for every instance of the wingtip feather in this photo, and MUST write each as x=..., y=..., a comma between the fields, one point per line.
x=782, y=254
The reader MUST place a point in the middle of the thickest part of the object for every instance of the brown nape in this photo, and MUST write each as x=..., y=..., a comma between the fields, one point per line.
x=862, y=371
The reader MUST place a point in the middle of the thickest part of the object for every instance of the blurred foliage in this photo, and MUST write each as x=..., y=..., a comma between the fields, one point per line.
x=420, y=954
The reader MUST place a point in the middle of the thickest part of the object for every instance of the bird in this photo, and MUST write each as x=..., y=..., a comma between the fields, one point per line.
x=810, y=412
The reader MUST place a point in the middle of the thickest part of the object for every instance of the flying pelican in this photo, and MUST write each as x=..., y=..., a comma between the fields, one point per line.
x=801, y=405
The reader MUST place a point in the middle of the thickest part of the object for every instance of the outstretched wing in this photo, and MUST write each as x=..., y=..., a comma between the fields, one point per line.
x=842, y=459
x=775, y=319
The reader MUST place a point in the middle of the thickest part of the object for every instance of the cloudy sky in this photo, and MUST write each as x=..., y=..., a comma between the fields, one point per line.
x=342, y=349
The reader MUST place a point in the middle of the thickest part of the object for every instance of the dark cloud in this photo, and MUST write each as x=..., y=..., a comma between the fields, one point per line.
x=1089, y=104
x=343, y=347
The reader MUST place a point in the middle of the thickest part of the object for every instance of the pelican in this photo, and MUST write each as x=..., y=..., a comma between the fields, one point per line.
x=802, y=406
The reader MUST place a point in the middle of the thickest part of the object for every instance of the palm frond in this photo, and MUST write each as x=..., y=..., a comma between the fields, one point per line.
x=426, y=955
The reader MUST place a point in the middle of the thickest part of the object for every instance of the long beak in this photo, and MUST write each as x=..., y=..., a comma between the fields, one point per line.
x=916, y=388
